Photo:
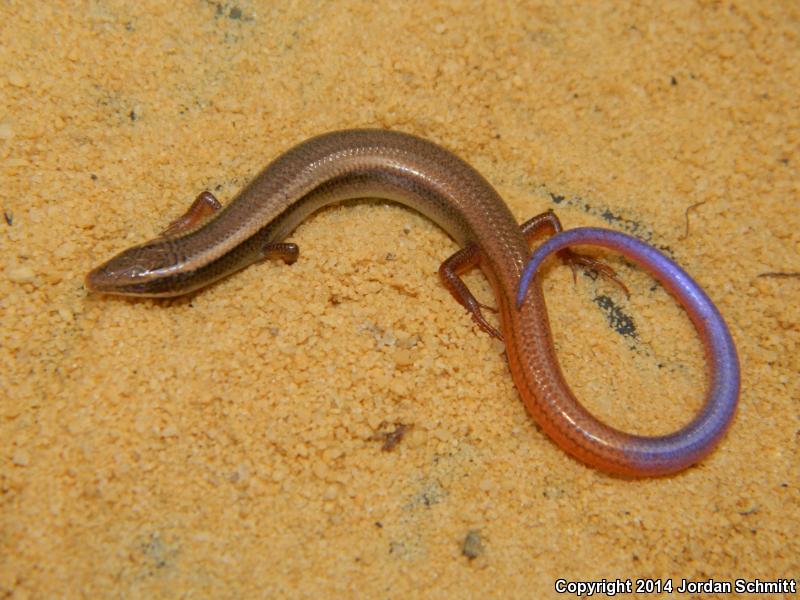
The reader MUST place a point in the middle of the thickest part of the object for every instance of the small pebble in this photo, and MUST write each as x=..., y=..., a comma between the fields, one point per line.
x=472, y=547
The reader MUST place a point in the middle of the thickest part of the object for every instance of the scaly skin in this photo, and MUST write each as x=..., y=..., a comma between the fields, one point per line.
x=349, y=164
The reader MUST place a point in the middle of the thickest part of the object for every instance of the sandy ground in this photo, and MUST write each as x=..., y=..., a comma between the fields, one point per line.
x=230, y=444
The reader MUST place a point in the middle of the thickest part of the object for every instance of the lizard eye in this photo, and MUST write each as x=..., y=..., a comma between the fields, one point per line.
x=137, y=271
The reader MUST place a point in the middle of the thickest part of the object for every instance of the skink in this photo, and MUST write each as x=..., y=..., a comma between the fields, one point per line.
x=210, y=242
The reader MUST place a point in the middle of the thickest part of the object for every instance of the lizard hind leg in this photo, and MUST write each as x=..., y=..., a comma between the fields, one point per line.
x=549, y=222
x=450, y=271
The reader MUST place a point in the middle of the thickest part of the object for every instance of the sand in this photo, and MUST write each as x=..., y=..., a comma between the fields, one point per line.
x=339, y=427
